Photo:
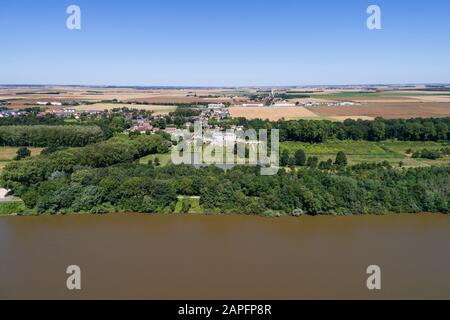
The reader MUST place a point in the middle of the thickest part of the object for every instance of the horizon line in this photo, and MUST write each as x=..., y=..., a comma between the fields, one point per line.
x=221, y=87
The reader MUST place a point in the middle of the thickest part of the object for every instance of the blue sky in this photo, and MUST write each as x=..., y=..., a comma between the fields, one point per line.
x=224, y=43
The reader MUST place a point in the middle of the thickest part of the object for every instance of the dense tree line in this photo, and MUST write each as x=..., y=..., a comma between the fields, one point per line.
x=101, y=187
x=316, y=131
x=300, y=159
x=44, y=135
x=31, y=119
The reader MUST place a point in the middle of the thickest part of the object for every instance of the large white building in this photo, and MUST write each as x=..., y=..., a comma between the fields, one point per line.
x=216, y=106
x=253, y=105
x=284, y=104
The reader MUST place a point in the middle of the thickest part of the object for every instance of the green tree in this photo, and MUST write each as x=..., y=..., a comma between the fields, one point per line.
x=377, y=131
x=341, y=159
x=185, y=205
x=284, y=159
x=22, y=153
x=291, y=162
x=312, y=162
x=157, y=162
x=326, y=165
x=51, y=148
x=300, y=157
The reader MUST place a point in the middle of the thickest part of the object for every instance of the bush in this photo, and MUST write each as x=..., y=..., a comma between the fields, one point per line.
x=300, y=157
x=312, y=162
x=22, y=153
x=341, y=159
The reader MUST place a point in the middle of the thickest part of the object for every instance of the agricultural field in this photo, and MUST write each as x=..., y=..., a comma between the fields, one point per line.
x=109, y=106
x=272, y=113
x=365, y=151
x=400, y=96
x=24, y=97
x=385, y=110
x=387, y=102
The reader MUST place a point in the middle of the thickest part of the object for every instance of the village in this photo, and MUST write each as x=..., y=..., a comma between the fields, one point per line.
x=141, y=121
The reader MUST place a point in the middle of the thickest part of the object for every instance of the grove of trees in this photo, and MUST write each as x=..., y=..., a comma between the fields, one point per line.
x=19, y=174
x=44, y=135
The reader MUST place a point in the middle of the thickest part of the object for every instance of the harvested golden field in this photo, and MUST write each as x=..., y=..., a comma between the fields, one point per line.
x=386, y=110
x=109, y=106
x=182, y=99
x=21, y=97
x=71, y=94
x=271, y=113
x=435, y=98
x=342, y=118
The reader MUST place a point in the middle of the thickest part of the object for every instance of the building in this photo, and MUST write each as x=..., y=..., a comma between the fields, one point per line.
x=284, y=104
x=216, y=106
x=170, y=130
x=41, y=103
x=253, y=105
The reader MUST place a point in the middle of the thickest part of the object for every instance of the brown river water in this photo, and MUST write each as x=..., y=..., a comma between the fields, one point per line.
x=224, y=257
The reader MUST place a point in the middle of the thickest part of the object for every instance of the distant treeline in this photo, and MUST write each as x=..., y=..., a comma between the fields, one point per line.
x=31, y=119
x=33, y=170
x=316, y=131
x=50, y=135
x=290, y=95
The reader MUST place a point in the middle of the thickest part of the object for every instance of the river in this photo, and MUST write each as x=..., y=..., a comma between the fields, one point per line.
x=224, y=257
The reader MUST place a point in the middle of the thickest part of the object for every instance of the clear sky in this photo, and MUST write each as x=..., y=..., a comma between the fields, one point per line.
x=224, y=43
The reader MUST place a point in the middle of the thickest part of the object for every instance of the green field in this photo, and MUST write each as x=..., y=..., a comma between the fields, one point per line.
x=194, y=202
x=365, y=151
x=11, y=207
x=164, y=158
x=350, y=95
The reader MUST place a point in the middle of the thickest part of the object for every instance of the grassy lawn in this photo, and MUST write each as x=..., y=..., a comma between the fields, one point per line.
x=333, y=147
x=365, y=151
x=400, y=147
x=194, y=202
x=164, y=158
x=11, y=207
